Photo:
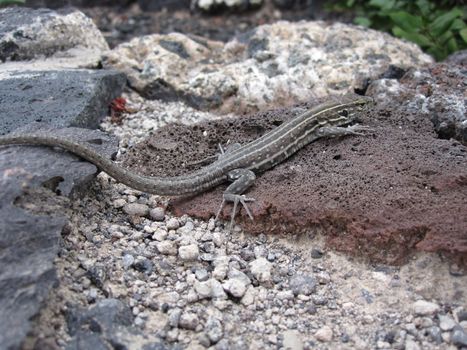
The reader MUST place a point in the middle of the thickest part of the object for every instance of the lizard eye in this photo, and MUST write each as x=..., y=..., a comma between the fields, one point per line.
x=344, y=113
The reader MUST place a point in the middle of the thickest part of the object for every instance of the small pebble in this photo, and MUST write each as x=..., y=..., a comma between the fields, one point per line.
x=167, y=247
x=446, y=323
x=157, y=214
x=235, y=287
x=423, y=308
x=188, y=320
x=324, y=334
x=188, y=252
x=261, y=269
x=119, y=203
x=136, y=209
x=173, y=224
x=127, y=261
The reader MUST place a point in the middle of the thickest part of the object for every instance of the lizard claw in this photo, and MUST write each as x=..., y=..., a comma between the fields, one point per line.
x=235, y=198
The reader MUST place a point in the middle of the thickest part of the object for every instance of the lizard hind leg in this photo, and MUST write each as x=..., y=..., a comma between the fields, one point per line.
x=242, y=180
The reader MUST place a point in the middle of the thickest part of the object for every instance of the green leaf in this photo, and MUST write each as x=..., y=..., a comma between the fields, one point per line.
x=362, y=21
x=445, y=37
x=350, y=3
x=417, y=38
x=406, y=21
x=463, y=34
x=452, y=45
x=11, y=2
x=443, y=22
x=424, y=6
x=458, y=24
x=382, y=4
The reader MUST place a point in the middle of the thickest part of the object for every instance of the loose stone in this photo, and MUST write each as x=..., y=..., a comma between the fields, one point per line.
x=157, y=214
x=136, y=209
x=128, y=260
x=188, y=252
x=324, y=334
x=214, y=330
x=235, y=287
x=423, y=308
x=261, y=269
x=188, y=320
x=446, y=323
x=173, y=224
x=459, y=337
x=302, y=284
x=167, y=247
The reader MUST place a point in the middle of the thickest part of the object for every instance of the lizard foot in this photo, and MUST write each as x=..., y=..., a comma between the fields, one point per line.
x=235, y=198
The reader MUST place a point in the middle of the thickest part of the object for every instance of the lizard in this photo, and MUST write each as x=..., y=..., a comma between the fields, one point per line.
x=239, y=164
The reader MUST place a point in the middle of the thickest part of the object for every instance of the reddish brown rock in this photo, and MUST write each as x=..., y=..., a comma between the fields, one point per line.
x=383, y=195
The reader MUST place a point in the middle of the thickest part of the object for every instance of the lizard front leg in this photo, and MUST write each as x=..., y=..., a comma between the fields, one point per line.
x=242, y=179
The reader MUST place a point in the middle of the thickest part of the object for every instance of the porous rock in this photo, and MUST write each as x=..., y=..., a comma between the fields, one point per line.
x=87, y=94
x=26, y=33
x=366, y=200
x=272, y=66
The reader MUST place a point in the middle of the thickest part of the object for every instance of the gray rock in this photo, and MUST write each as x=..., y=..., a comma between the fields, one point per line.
x=221, y=267
x=107, y=313
x=316, y=253
x=87, y=340
x=87, y=95
x=302, y=284
x=144, y=265
x=462, y=316
x=267, y=55
x=28, y=33
x=235, y=287
x=173, y=224
x=136, y=209
x=157, y=214
x=174, y=317
x=435, y=334
x=237, y=274
x=33, y=183
x=189, y=320
x=324, y=334
x=261, y=269
x=167, y=247
x=423, y=308
x=459, y=336
x=411, y=345
x=201, y=275
x=210, y=289
x=151, y=5
x=210, y=6
x=110, y=319
x=291, y=340
x=160, y=235
x=446, y=323
x=27, y=273
x=214, y=330
x=458, y=58
x=188, y=252
x=128, y=260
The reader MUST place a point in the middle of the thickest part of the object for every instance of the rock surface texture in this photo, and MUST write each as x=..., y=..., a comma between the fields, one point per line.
x=59, y=97
x=272, y=66
x=25, y=33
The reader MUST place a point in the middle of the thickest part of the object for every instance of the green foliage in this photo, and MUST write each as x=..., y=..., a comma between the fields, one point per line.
x=4, y=3
x=438, y=27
